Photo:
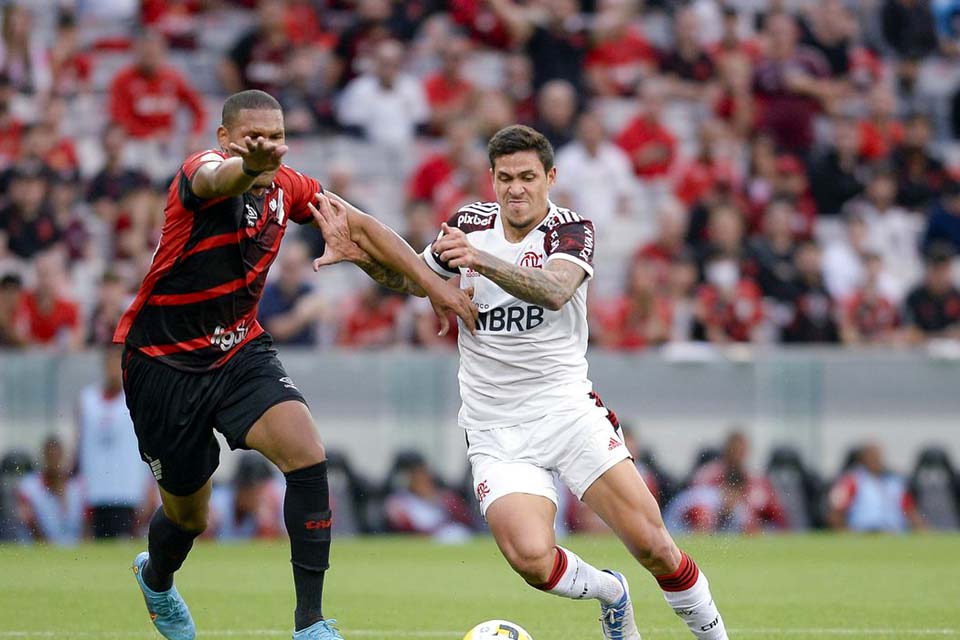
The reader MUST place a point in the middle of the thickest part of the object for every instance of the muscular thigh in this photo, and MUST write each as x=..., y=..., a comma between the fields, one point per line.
x=522, y=525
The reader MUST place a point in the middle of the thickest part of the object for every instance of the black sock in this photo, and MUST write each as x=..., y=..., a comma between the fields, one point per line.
x=168, y=546
x=306, y=512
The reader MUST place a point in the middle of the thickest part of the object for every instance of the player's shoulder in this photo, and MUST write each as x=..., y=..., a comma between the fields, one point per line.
x=562, y=217
x=296, y=182
x=476, y=216
x=202, y=157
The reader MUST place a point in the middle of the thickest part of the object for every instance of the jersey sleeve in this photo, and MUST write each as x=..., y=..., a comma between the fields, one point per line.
x=574, y=242
x=302, y=190
x=433, y=259
x=191, y=165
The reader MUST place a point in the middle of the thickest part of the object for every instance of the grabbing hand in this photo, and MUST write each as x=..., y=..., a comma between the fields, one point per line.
x=331, y=216
x=449, y=298
x=454, y=248
x=260, y=155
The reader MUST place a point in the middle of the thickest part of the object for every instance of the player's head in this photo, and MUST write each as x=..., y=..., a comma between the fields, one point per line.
x=521, y=160
x=251, y=113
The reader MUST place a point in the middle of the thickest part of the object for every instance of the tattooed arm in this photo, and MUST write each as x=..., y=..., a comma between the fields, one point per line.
x=388, y=277
x=550, y=287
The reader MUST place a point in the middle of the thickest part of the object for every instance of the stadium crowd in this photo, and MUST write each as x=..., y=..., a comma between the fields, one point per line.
x=782, y=171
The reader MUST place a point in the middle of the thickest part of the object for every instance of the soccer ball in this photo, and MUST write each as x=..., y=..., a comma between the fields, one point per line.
x=499, y=629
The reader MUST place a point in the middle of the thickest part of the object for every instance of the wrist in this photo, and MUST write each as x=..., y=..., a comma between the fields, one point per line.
x=247, y=171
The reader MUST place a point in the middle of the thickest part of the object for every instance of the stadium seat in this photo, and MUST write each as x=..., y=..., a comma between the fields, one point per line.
x=349, y=496
x=666, y=483
x=935, y=486
x=800, y=491
x=13, y=466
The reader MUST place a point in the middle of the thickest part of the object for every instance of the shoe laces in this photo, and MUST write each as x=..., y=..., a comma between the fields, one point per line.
x=169, y=605
x=612, y=618
x=328, y=626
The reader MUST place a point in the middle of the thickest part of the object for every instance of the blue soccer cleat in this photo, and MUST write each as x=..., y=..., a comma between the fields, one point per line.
x=322, y=630
x=167, y=609
x=617, y=619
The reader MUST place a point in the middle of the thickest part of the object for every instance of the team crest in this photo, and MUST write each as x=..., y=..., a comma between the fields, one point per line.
x=531, y=259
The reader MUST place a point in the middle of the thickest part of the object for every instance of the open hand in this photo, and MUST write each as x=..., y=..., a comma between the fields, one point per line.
x=260, y=155
x=460, y=301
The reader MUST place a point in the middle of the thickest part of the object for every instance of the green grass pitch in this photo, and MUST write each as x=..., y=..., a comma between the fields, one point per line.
x=819, y=586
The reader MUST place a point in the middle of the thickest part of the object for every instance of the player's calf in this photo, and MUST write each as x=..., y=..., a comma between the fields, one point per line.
x=687, y=591
x=306, y=513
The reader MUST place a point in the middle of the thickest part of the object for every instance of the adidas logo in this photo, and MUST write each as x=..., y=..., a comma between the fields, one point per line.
x=614, y=443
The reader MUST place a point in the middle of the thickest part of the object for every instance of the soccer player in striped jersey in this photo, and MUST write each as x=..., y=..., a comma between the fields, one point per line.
x=196, y=359
x=529, y=409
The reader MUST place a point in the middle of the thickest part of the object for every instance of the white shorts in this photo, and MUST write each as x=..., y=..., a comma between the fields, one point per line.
x=579, y=447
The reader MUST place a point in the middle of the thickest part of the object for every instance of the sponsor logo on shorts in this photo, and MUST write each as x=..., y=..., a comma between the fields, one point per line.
x=483, y=490
x=226, y=340
x=287, y=382
x=614, y=443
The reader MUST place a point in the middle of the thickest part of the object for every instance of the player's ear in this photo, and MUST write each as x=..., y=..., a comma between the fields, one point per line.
x=551, y=176
x=223, y=138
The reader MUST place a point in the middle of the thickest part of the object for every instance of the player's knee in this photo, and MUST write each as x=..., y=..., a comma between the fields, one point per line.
x=656, y=551
x=194, y=521
x=533, y=561
x=301, y=457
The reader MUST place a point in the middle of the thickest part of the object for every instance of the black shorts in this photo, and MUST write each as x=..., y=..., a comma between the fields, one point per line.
x=175, y=412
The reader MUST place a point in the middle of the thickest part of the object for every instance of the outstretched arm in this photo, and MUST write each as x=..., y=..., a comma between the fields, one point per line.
x=235, y=175
x=550, y=287
x=388, y=257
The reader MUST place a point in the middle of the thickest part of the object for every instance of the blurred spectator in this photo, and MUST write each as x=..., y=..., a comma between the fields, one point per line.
x=880, y=131
x=791, y=86
x=729, y=305
x=920, y=174
x=688, y=68
x=11, y=127
x=758, y=492
x=518, y=88
x=932, y=309
x=725, y=236
x=22, y=57
x=26, y=222
x=145, y=99
x=290, y=309
x=51, y=503
x=871, y=498
x=418, y=504
x=556, y=112
x=113, y=298
x=835, y=176
x=651, y=146
x=717, y=508
x=46, y=315
x=712, y=165
x=70, y=66
x=108, y=457
x=449, y=92
x=943, y=226
x=260, y=59
x=620, y=56
x=843, y=258
x=682, y=292
x=814, y=313
x=594, y=176
x=553, y=35
x=11, y=289
x=250, y=505
x=771, y=253
x=460, y=138
x=670, y=239
x=829, y=30
x=371, y=24
x=386, y=106
x=868, y=315
x=641, y=317
x=890, y=230
x=908, y=27
x=371, y=320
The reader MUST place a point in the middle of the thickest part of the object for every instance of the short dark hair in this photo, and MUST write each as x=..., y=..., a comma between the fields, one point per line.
x=250, y=99
x=517, y=138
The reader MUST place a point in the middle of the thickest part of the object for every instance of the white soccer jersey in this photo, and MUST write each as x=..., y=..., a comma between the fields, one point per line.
x=526, y=361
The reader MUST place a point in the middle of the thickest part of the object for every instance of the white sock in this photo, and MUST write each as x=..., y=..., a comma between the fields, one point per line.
x=574, y=578
x=694, y=604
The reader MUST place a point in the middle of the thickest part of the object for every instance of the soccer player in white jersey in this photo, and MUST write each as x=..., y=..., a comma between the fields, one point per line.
x=528, y=407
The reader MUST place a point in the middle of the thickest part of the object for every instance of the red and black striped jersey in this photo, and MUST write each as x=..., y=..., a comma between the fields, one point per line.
x=198, y=303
